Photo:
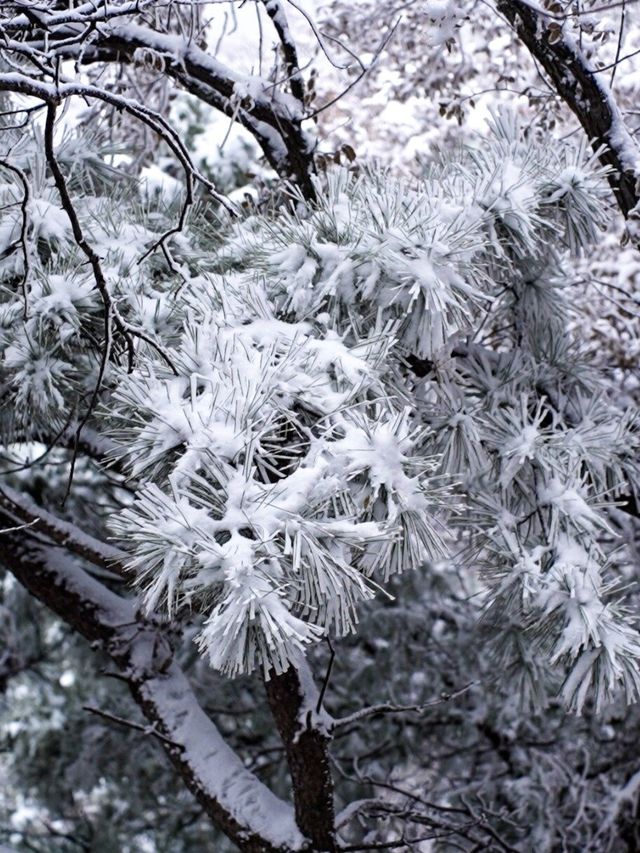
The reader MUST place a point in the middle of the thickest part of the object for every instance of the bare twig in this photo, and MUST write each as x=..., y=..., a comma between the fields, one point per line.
x=390, y=708
x=146, y=730
x=379, y=50
x=22, y=239
x=327, y=677
x=616, y=61
x=19, y=526
x=94, y=261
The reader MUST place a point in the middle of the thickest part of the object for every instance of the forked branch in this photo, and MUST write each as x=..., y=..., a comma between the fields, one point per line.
x=233, y=797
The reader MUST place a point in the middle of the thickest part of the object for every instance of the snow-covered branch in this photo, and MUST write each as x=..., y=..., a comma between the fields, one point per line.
x=276, y=12
x=246, y=810
x=587, y=94
x=114, y=35
x=63, y=533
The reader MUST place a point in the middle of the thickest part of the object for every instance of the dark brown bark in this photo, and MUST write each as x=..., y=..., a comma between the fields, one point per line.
x=307, y=753
x=582, y=90
x=62, y=533
x=277, y=14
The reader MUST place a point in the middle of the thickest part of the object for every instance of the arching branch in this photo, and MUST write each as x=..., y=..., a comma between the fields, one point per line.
x=109, y=36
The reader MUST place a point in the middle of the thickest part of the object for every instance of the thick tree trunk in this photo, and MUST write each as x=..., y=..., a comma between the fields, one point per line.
x=306, y=746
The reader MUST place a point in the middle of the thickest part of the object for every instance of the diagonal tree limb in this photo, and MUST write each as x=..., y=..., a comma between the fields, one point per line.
x=61, y=532
x=275, y=11
x=233, y=797
x=585, y=92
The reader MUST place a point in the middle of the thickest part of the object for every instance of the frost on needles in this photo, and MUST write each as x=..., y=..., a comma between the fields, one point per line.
x=333, y=392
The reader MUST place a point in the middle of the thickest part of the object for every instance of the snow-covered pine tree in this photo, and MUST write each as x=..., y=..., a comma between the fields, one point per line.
x=357, y=399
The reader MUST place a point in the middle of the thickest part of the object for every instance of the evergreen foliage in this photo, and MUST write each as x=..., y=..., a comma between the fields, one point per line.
x=362, y=414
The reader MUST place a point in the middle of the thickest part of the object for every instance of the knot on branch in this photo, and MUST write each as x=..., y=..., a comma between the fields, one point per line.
x=149, y=59
x=141, y=651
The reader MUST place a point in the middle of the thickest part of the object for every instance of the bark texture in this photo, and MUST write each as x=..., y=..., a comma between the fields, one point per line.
x=307, y=753
x=585, y=93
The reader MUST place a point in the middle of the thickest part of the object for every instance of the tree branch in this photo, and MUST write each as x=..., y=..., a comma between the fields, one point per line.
x=585, y=93
x=274, y=118
x=233, y=797
x=62, y=532
x=277, y=14
x=390, y=708
x=292, y=698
